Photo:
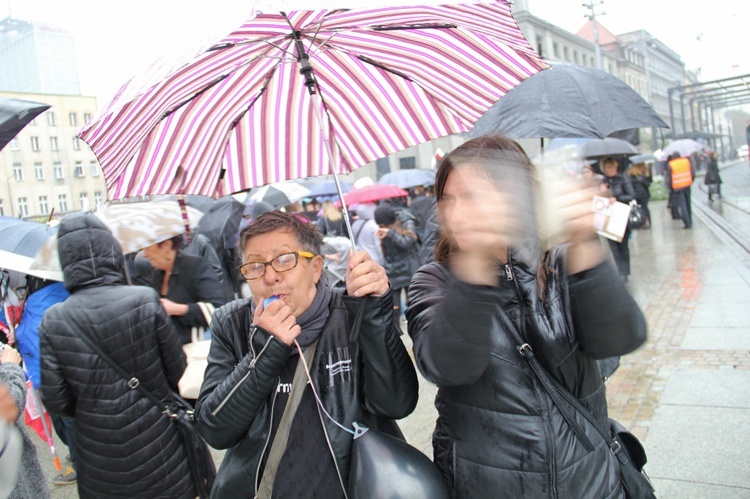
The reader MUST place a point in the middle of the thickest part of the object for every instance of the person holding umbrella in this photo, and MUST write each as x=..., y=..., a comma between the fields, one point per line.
x=640, y=176
x=288, y=437
x=499, y=431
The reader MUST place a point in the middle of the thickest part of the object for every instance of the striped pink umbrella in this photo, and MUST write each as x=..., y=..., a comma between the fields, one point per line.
x=307, y=93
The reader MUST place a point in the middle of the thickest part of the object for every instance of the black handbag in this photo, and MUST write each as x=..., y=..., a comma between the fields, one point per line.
x=636, y=219
x=180, y=412
x=623, y=444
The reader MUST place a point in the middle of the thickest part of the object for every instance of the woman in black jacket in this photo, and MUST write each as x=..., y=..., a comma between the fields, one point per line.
x=189, y=288
x=640, y=176
x=400, y=243
x=498, y=431
x=620, y=188
x=126, y=446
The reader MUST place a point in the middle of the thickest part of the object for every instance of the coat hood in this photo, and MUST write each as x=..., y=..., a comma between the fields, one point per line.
x=89, y=254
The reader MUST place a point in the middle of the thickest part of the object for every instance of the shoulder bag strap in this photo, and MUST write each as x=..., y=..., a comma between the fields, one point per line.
x=560, y=395
x=280, y=439
x=132, y=381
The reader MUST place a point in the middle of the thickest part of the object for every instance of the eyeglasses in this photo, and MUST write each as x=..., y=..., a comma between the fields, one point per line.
x=282, y=263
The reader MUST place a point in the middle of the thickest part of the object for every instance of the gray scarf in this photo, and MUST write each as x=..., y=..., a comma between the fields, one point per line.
x=315, y=317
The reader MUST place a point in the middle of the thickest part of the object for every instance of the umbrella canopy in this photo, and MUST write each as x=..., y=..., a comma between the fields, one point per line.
x=16, y=114
x=279, y=194
x=25, y=265
x=23, y=237
x=408, y=178
x=568, y=101
x=306, y=93
x=373, y=193
x=606, y=147
x=328, y=188
x=642, y=158
x=20, y=241
x=221, y=223
x=134, y=225
x=685, y=147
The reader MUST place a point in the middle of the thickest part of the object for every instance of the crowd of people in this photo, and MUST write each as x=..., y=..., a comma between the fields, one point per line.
x=311, y=345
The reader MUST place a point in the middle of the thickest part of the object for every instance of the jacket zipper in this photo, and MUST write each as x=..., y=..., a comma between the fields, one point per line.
x=247, y=375
x=548, y=427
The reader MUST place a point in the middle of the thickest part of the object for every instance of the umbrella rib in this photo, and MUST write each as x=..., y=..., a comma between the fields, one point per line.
x=412, y=27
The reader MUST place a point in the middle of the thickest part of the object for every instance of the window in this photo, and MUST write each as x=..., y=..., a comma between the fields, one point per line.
x=84, y=198
x=38, y=171
x=86, y=117
x=34, y=143
x=97, y=199
x=62, y=202
x=556, y=49
x=2, y=211
x=78, y=172
x=73, y=119
x=57, y=166
x=94, y=168
x=23, y=207
x=566, y=56
x=43, y=205
x=51, y=118
x=408, y=163
x=575, y=56
x=13, y=144
x=76, y=144
x=53, y=144
x=540, y=45
x=17, y=172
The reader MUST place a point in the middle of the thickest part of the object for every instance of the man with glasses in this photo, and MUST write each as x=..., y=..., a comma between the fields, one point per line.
x=288, y=437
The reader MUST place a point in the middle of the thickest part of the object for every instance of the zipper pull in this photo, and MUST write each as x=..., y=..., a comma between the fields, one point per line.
x=508, y=272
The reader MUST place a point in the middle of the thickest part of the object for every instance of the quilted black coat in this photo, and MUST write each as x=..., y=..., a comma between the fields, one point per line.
x=126, y=446
x=498, y=433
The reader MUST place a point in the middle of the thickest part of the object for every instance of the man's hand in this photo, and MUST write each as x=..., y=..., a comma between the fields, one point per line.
x=10, y=355
x=173, y=308
x=278, y=320
x=364, y=276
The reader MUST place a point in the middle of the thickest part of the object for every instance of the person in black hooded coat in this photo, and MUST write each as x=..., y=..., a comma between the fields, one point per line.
x=126, y=446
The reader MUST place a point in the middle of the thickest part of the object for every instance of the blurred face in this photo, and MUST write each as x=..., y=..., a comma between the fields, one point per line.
x=610, y=169
x=297, y=286
x=475, y=211
x=160, y=255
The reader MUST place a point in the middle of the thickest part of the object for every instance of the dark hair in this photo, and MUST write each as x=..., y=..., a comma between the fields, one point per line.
x=385, y=215
x=501, y=158
x=308, y=236
x=609, y=159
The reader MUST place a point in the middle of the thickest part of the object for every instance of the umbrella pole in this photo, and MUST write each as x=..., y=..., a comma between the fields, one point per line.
x=317, y=104
x=307, y=71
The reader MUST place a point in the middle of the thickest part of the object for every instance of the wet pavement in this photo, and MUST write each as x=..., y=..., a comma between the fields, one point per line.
x=686, y=392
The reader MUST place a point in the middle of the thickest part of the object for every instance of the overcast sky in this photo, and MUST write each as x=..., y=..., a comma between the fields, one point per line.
x=118, y=38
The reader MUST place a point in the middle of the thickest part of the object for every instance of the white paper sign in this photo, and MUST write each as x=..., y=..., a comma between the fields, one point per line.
x=610, y=219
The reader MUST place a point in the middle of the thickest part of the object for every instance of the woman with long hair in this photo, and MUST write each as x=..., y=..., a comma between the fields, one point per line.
x=331, y=222
x=498, y=431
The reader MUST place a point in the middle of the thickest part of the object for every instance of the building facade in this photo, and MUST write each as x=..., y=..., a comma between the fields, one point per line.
x=37, y=58
x=47, y=169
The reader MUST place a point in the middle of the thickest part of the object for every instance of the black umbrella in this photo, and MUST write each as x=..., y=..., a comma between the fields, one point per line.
x=568, y=101
x=16, y=114
x=599, y=148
